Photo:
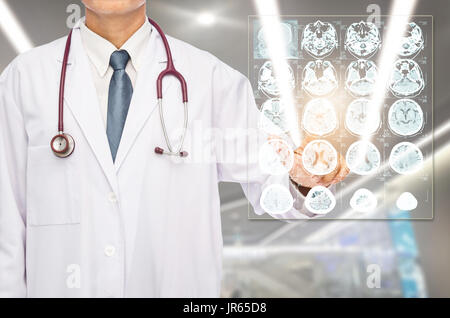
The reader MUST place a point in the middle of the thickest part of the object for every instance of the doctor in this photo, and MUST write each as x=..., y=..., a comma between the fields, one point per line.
x=115, y=219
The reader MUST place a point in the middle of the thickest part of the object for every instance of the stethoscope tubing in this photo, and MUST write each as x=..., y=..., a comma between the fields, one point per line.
x=63, y=83
x=163, y=124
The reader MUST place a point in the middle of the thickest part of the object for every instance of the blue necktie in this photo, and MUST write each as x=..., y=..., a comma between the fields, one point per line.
x=119, y=98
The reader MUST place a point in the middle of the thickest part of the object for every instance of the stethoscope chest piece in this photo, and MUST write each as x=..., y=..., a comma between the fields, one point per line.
x=62, y=145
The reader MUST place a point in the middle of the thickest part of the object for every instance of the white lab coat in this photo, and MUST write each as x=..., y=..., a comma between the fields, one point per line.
x=62, y=229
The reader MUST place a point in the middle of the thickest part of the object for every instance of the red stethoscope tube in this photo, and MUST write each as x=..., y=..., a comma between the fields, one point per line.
x=62, y=83
x=170, y=68
x=63, y=144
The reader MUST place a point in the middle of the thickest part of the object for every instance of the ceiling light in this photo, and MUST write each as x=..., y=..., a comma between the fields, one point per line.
x=206, y=18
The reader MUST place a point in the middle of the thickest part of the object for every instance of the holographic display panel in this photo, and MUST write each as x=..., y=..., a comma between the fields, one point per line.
x=332, y=65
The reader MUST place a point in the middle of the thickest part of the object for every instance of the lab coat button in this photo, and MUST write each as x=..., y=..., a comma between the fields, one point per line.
x=110, y=250
x=112, y=197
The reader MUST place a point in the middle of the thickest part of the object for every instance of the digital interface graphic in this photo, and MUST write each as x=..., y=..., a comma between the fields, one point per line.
x=363, y=200
x=320, y=200
x=331, y=67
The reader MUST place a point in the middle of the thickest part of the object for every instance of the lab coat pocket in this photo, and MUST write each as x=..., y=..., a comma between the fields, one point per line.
x=51, y=188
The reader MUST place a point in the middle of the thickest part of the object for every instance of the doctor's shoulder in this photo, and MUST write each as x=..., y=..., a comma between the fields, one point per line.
x=201, y=61
x=35, y=60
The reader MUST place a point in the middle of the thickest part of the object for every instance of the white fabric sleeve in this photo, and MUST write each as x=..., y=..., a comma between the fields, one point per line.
x=236, y=116
x=13, y=160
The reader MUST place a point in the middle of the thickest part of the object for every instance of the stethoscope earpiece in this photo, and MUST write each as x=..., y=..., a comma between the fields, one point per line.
x=160, y=151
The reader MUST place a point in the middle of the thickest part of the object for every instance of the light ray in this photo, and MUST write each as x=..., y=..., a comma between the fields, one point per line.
x=273, y=38
x=395, y=29
x=13, y=30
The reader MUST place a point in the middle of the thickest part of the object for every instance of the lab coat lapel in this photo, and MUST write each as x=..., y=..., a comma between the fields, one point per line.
x=81, y=98
x=144, y=102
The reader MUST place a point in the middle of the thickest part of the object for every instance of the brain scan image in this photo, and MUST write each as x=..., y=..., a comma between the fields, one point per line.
x=319, y=78
x=287, y=35
x=363, y=200
x=405, y=117
x=362, y=118
x=412, y=42
x=406, y=158
x=319, y=39
x=276, y=157
x=363, y=158
x=276, y=199
x=273, y=117
x=319, y=117
x=268, y=83
x=319, y=158
x=406, y=202
x=360, y=77
x=362, y=39
x=406, y=79
x=320, y=200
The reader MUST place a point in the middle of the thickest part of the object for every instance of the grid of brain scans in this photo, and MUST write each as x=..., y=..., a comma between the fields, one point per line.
x=329, y=83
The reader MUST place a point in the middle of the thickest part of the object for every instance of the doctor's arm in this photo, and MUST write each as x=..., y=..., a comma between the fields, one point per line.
x=13, y=157
x=236, y=115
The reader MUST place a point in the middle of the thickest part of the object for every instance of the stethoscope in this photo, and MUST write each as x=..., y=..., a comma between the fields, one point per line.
x=63, y=144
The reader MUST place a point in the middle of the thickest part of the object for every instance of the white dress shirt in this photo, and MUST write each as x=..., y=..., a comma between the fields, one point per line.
x=99, y=51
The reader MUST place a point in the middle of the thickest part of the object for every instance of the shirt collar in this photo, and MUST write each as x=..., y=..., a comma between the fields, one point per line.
x=99, y=50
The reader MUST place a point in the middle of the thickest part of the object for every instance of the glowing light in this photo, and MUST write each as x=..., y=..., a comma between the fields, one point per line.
x=276, y=49
x=206, y=18
x=406, y=202
x=395, y=31
x=13, y=30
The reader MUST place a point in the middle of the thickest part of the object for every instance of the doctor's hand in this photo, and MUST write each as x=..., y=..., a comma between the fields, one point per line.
x=304, y=179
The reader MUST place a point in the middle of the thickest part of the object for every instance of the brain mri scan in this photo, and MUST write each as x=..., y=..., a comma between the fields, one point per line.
x=362, y=39
x=360, y=77
x=285, y=34
x=363, y=158
x=363, y=200
x=319, y=157
x=268, y=83
x=406, y=79
x=319, y=117
x=320, y=200
x=273, y=117
x=406, y=202
x=405, y=117
x=319, y=78
x=362, y=118
x=319, y=39
x=276, y=157
x=412, y=42
x=406, y=158
x=276, y=199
